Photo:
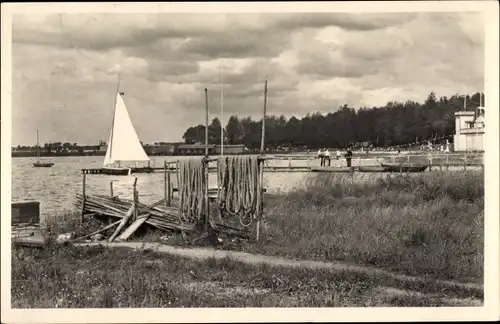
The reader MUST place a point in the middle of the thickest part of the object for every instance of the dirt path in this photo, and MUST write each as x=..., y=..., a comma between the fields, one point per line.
x=205, y=253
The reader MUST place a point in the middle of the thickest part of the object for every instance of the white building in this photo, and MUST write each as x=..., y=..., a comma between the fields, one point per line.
x=469, y=130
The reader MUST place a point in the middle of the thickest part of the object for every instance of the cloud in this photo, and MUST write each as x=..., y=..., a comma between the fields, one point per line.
x=66, y=66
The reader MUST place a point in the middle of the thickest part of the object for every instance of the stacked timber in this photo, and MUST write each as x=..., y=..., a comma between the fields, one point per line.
x=131, y=215
x=156, y=215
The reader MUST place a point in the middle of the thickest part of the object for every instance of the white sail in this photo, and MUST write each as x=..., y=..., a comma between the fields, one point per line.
x=123, y=144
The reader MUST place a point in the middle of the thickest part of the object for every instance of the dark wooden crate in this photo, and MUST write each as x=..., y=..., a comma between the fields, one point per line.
x=25, y=212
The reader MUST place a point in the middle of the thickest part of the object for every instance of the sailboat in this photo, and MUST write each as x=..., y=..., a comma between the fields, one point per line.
x=123, y=145
x=39, y=164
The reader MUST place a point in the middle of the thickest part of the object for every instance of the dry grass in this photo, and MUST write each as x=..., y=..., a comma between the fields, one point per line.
x=55, y=224
x=91, y=277
x=429, y=224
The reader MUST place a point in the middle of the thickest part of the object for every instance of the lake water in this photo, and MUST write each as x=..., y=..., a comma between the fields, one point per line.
x=55, y=188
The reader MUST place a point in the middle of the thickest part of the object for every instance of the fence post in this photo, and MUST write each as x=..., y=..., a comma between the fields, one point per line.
x=465, y=161
x=111, y=189
x=136, y=199
x=84, y=196
x=430, y=161
x=447, y=162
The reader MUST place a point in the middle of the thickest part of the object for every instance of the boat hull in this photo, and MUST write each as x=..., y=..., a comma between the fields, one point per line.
x=142, y=170
x=404, y=168
x=331, y=169
x=373, y=168
x=43, y=165
x=115, y=171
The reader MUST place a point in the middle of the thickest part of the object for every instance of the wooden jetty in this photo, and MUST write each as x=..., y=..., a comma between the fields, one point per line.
x=132, y=170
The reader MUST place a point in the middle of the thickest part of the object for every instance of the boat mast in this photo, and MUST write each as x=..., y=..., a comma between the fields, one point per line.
x=37, y=146
x=222, y=109
x=113, y=122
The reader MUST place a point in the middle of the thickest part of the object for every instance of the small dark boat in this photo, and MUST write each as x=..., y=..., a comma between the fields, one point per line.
x=373, y=168
x=397, y=167
x=331, y=169
x=116, y=171
x=147, y=169
x=39, y=164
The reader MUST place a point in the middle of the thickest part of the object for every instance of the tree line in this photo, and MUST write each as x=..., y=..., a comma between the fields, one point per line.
x=395, y=124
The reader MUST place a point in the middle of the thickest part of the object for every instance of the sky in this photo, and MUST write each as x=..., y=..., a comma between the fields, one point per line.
x=66, y=67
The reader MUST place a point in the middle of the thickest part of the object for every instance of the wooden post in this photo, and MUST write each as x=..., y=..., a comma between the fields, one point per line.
x=261, y=170
x=465, y=161
x=447, y=162
x=168, y=182
x=84, y=197
x=177, y=167
x=430, y=161
x=136, y=199
x=408, y=156
x=111, y=189
x=165, y=189
x=205, y=166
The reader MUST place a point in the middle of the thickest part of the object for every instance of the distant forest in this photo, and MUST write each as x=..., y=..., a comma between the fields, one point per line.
x=396, y=123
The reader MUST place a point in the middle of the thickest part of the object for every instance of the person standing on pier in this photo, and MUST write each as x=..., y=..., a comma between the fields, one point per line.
x=320, y=157
x=327, y=157
x=348, y=157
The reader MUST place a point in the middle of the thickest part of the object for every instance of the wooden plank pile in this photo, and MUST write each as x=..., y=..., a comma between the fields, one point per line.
x=156, y=215
x=131, y=215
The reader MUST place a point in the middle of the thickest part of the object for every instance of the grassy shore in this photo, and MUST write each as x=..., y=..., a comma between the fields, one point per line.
x=66, y=276
x=430, y=224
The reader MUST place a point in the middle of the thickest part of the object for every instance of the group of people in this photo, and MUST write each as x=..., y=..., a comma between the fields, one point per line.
x=324, y=157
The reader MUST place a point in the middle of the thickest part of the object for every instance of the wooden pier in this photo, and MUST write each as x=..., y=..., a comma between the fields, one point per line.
x=435, y=166
x=433, y=161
